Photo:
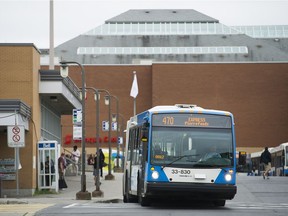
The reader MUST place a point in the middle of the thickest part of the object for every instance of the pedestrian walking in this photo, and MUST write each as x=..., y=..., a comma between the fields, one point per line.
x=61, y=171
x=249, y=164
x=95, y=173
x=266, y=160
x=102, y=163
x=75, y=155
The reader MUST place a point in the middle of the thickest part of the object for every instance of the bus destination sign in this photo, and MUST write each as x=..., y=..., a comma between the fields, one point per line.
x=191, y=120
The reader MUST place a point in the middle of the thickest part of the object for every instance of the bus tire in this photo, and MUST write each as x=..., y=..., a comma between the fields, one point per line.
x=219, y=202
x=143, y=201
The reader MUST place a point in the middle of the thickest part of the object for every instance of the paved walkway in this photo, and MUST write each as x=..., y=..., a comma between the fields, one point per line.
x=112, y=190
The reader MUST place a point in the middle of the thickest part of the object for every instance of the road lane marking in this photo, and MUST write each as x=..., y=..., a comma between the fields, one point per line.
x=72, y=205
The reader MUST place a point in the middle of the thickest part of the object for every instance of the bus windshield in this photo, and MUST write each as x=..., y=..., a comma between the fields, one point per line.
x=191, y=147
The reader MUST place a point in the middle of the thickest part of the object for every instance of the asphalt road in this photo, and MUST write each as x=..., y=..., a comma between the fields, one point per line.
x=254, y=196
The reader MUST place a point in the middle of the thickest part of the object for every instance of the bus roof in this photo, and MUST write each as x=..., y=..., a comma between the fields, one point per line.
x=279, y=148
x=177, y=108
x=186, y=108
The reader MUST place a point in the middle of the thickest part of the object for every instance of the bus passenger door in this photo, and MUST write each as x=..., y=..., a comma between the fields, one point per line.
x=143, y=156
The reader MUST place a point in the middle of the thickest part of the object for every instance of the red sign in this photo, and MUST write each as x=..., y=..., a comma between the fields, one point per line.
x=68, y=139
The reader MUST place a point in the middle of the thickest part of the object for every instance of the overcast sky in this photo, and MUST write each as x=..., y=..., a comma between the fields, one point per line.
x=27, y=21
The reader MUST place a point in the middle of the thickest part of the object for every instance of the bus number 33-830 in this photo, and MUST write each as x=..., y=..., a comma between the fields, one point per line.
x=182, y=171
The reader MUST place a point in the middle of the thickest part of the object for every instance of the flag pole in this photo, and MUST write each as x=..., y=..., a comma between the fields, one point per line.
x=134, y=106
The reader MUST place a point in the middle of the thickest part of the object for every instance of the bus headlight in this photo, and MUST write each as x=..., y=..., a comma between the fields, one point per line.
x=228, y=177
x=155, y=175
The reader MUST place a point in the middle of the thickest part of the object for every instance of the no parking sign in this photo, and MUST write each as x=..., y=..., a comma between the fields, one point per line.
x=16, y=136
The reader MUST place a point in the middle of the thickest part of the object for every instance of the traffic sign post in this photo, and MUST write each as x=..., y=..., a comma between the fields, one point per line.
x=77, y=116
x=105, y=125
x=77, y=124
x=114, y=126
x=16, y=139
x=16, y=136
x=77, y=132
x=120, y=140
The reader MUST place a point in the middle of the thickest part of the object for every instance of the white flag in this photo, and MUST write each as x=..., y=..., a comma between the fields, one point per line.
x=134, y=89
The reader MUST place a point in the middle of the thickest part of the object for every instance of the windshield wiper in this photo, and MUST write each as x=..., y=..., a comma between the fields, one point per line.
x=205, y=165
x=177, y=159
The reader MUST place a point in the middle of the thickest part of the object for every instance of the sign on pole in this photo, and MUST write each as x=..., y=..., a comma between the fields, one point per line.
x=105, y=125
x=77, y=122
x=114, y=126
x=77, y=132
x=16, y=136
x=120, y=140
x=77, y=116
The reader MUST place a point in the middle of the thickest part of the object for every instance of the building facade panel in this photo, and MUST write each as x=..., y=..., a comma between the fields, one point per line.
x=255, y=93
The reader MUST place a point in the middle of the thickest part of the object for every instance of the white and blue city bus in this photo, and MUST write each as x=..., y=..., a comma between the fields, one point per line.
x=182, y=152
x=279, y=160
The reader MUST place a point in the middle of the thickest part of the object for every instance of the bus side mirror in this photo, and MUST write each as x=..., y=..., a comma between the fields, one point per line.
x=145, y=131
x=146, y=125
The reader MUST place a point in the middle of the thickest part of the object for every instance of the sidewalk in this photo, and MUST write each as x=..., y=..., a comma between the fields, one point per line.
x=112, y=192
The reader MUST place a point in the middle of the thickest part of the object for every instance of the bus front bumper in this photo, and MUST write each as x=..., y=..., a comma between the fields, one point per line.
x=201, y=191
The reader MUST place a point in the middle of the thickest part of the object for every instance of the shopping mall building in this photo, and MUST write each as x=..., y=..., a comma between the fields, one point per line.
x=180, y=56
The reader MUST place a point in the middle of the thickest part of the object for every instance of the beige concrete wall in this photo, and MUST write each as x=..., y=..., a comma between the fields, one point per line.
x=19, y=79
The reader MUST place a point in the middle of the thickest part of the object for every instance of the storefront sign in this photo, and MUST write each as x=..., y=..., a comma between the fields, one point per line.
x=68, y=139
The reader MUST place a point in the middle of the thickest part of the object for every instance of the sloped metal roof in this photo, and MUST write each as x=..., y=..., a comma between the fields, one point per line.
x=259, y=50
x=164, y=15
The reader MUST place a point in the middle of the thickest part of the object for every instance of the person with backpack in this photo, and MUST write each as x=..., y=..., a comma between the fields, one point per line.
x=266, y=160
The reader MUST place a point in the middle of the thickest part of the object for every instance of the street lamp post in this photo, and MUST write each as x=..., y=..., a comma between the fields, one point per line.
x=123, y=141
x=97, y=192
x=109, y=176
x=83, y=194
x=117, y=168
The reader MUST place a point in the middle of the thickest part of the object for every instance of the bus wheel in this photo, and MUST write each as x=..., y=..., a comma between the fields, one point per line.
x=143, y=201
x=125, y=199
x=219, y=202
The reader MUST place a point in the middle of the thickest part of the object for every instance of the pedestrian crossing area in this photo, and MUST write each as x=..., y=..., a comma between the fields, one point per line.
x=263, y=206
x=229, y=205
